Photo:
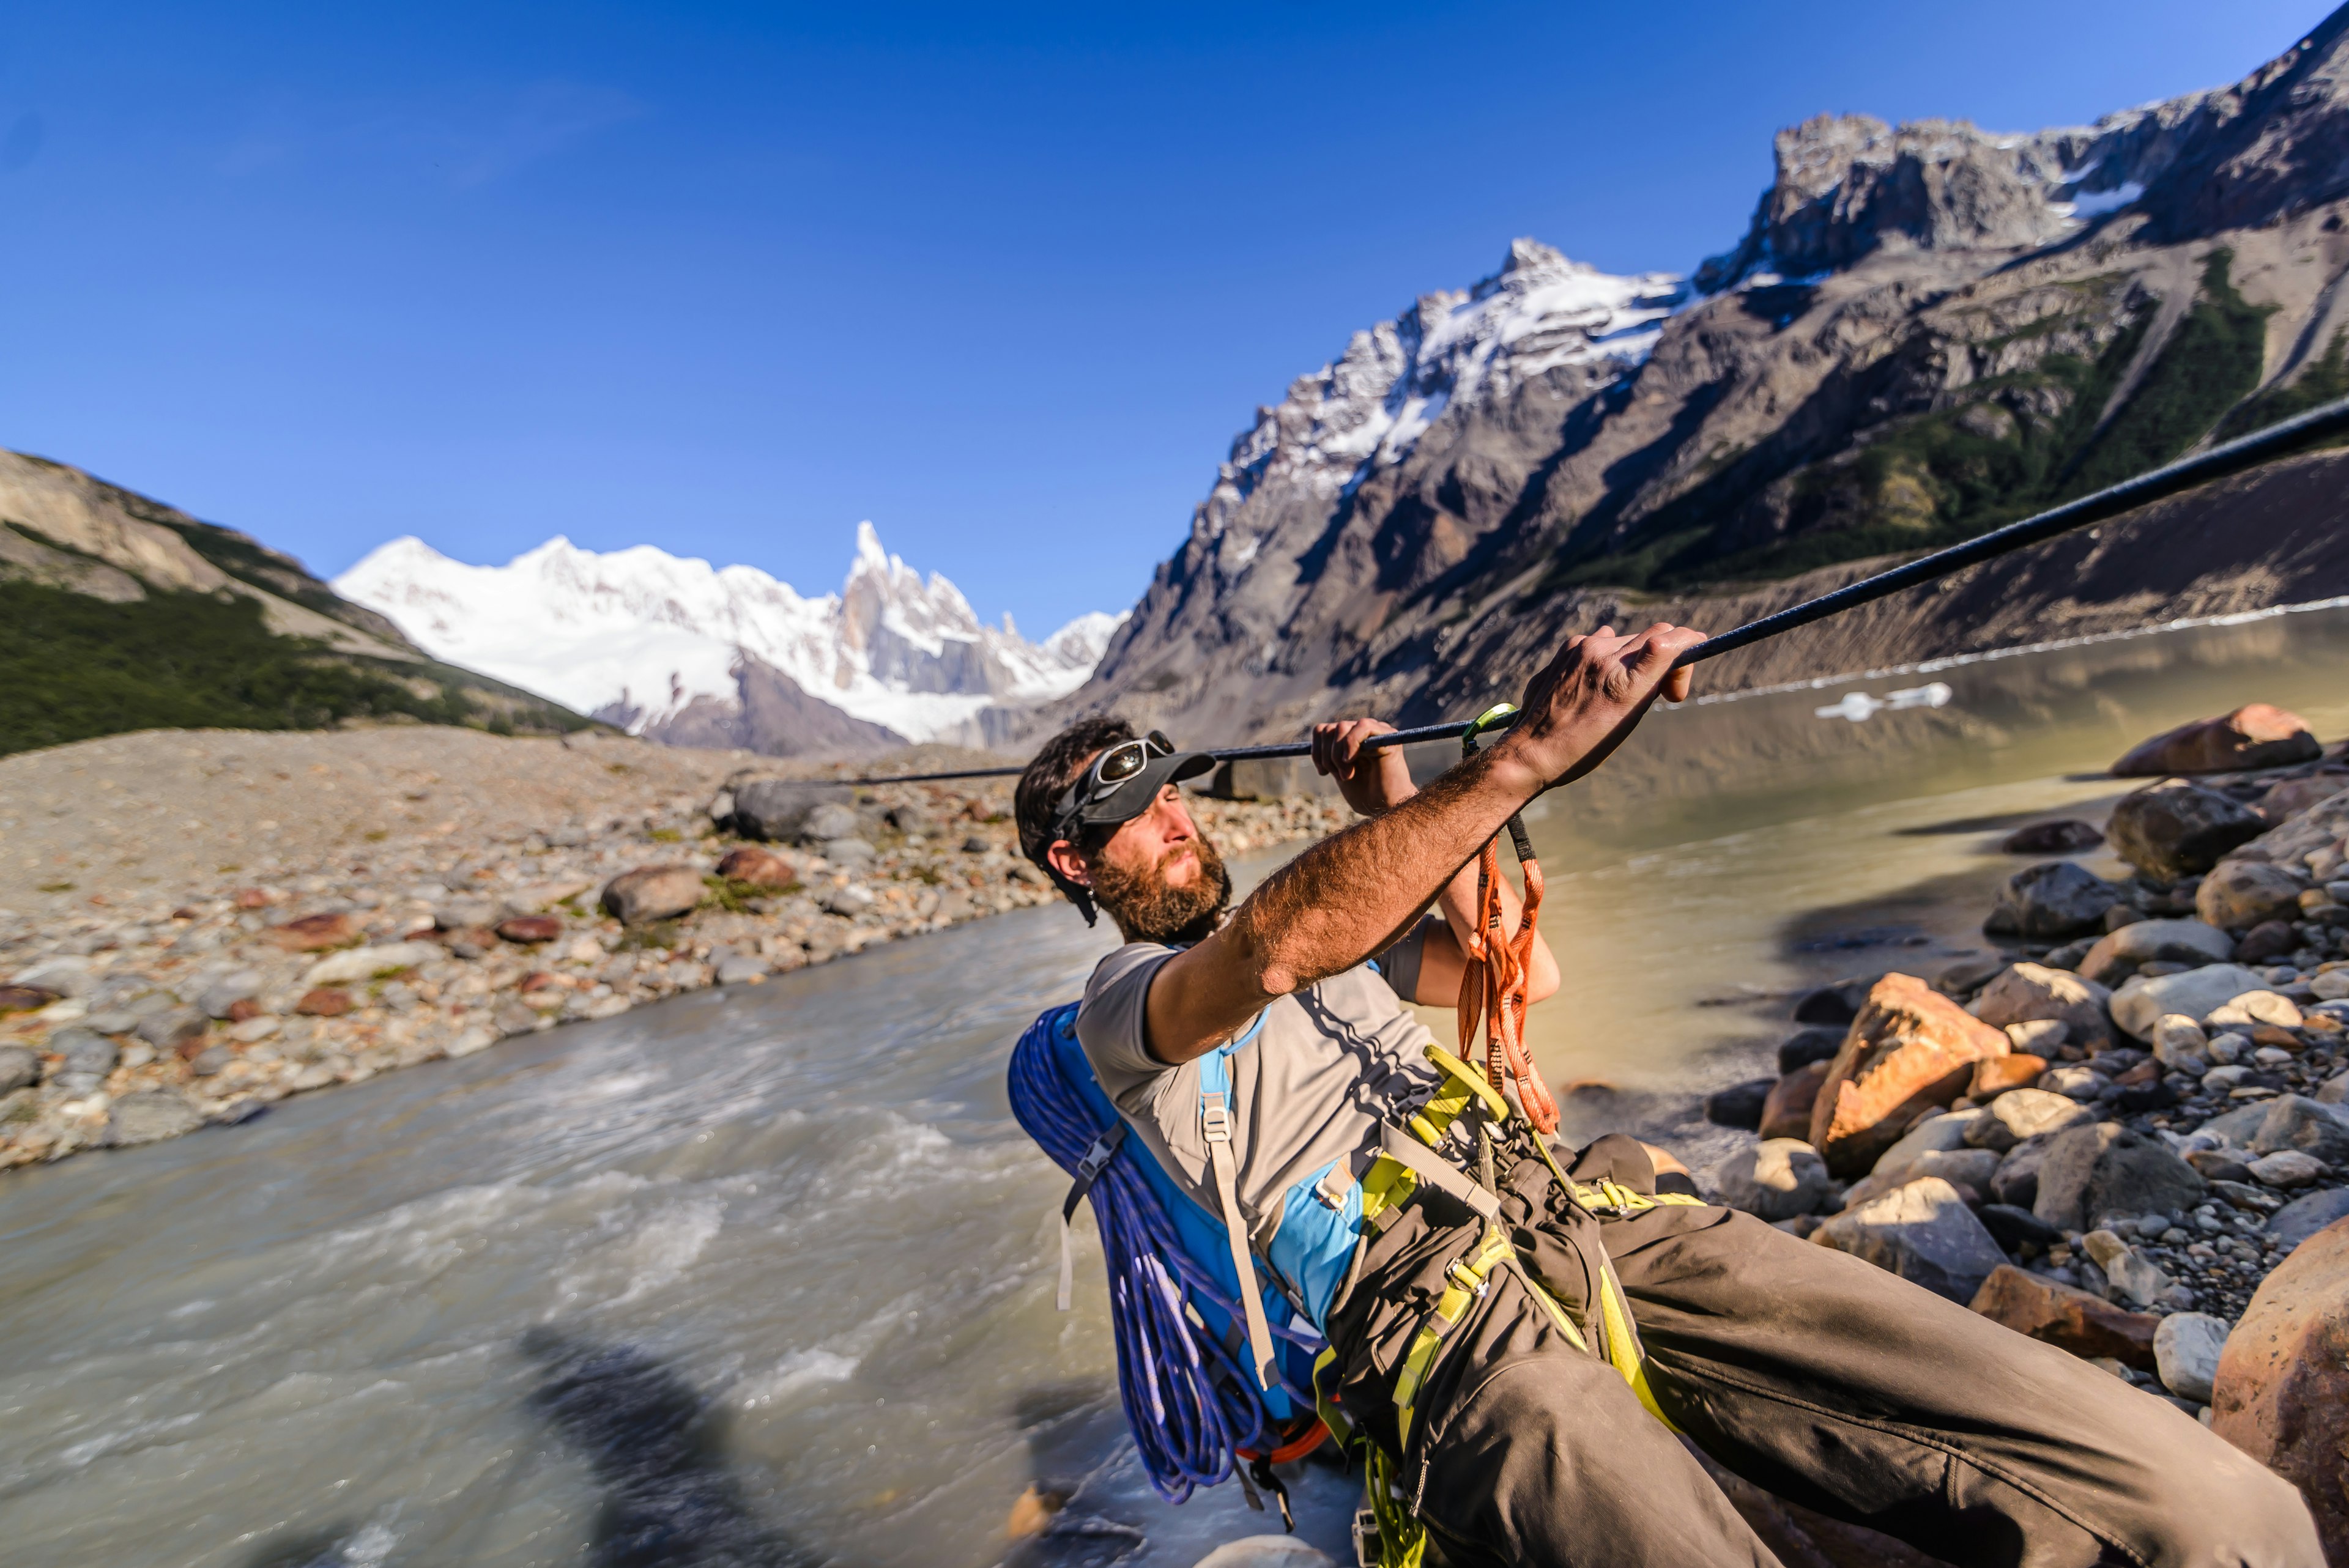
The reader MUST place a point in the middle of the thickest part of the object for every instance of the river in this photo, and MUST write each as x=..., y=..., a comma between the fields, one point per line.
x=765, y=1275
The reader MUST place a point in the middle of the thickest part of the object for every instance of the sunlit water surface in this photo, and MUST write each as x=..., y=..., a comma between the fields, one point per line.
x=765, y=1275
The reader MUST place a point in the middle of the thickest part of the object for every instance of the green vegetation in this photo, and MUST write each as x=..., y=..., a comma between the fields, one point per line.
x=2325, y=381
x=2020, y=443
x=72, y=668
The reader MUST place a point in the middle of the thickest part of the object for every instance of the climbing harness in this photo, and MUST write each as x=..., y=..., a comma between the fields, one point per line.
x=2279, y=440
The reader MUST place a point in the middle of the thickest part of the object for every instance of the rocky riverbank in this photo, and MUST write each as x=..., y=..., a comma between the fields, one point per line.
x=196, y=924
x=2118, y=1131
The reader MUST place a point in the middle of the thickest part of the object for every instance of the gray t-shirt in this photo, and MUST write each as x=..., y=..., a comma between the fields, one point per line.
x=1330, y=1064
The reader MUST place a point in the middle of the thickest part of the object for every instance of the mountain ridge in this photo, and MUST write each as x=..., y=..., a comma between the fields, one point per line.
x=1926, y=331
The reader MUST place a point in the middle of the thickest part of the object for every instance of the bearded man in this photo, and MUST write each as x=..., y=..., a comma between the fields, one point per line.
x=1819, y=1376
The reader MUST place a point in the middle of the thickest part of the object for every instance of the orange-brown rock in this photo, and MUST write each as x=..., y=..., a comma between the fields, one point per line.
x=2016, y=1069
x=2068, y=1319
x=241, y=1010
x=2282, y=1391
x=324, y=1003
x=527, y=928
x=755, y=867
x=2145, y=1071
x=2275, y=1035
x=1786, y=1111
x=2254, y=736
x=1911, y=1049
x=315, y=933
x=538, y=980
x=652, y=893
x=252, y=898
x=23, y=998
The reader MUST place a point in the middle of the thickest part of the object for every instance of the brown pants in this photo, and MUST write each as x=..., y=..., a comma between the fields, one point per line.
x=1820, y=1377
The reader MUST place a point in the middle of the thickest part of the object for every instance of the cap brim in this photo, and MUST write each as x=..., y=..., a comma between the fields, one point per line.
x=1133, y=797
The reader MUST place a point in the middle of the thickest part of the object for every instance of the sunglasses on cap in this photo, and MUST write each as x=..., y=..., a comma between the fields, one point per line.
x=1120, y=784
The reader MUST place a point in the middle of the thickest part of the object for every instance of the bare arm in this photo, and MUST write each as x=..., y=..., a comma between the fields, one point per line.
x=1351, y=894
x=1376, y=782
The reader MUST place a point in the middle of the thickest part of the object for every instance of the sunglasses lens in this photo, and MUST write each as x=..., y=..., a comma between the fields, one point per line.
x=1158, y=742
x=1122, y=762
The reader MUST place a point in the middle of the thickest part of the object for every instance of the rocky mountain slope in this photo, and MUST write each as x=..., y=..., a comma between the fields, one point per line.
x=120, y=613
x=1927, y=330
x=678, y=651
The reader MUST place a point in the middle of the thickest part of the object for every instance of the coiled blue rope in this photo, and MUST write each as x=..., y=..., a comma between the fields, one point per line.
x=1188, y=1401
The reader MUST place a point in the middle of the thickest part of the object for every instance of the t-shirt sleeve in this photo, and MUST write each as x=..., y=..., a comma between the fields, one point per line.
x=1398, y=964
x=1111, y=1021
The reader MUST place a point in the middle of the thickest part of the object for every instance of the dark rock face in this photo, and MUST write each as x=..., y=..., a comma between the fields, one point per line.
x=2060, y=838
x=779, y=809
x=2103, y=1169
x=2174, y=829
x=2055, y=898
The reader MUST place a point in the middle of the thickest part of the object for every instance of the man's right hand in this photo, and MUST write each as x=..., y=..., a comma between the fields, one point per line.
x=1586, y=701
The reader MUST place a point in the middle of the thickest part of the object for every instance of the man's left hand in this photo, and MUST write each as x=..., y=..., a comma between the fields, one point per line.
x=1371, y=781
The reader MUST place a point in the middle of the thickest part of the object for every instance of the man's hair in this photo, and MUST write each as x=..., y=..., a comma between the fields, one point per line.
x=1047, y=777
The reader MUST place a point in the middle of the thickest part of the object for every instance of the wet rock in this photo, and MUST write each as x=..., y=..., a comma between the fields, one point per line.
x=2018, y=1229
x=2016, y=1180
x=1740, y=1105
x=2118, y=954
x=324, y=1002
x=2267, y=942
x=2286, y=1169
x=741, y=969
x=755, y=867
x=314, y=932
x=2186, y=1353
x=2133, y=1277
x=2106, y=1169
x=2053, y=898
x=19, y=1068
x=1967, y=1170
x=1808, y=1046
x=651, y=893
x=530, y=928
x=2297, y=1121
x=172, y=1028
x=2140, y=1002
x=2254, y=736
x=2175, y=829
x=2029, y=993
x=1924, y=1233
x=1911, y=1049
x=2004, y=1074
x=2303, y=1217
x=2086, y=1325
x=1776, y=1179
x=2282, y=1393
x=1786, y=1108
x=2241, y=894
x=2025, y=1113
x=1836, y=1004
x=2062, y=836
x=366, y=962
x=149, y=1117
x=778, y=808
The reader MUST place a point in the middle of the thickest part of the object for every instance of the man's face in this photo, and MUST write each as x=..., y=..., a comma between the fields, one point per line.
x=1157, y=875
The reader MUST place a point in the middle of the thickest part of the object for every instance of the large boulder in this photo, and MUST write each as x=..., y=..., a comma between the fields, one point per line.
x=2281, y=1394
x=1924, y=1233
x=2254, y=736
x=1740, y=1105
x=2069, y=1319
x=2175, y=829
x=2140, y=1002
x=652, y=893
x=2303, y=1217
x=1911, y=1048
x=2106, y=1169
x=2027, y=993
x=1776, y=1179
x=1786, y=1108
x=2053, y=898
x=2025, y=1113
x=2118, y=954
x=2291, y=842
x=2239, y=895
x=779, y=809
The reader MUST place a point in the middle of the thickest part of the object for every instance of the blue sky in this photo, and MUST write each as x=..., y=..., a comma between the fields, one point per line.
x=1004, y=280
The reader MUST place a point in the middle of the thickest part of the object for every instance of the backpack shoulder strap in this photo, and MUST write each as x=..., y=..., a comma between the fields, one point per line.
x=1216, y=1127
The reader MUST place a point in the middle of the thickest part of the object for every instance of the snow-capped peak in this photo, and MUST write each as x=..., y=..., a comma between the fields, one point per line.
x=1368, y=408
x=647, y=633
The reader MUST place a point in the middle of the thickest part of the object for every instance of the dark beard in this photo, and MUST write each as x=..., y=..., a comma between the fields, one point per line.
x=1147, y=909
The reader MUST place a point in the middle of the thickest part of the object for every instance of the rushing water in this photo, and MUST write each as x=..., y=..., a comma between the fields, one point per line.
x=764, y=1276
